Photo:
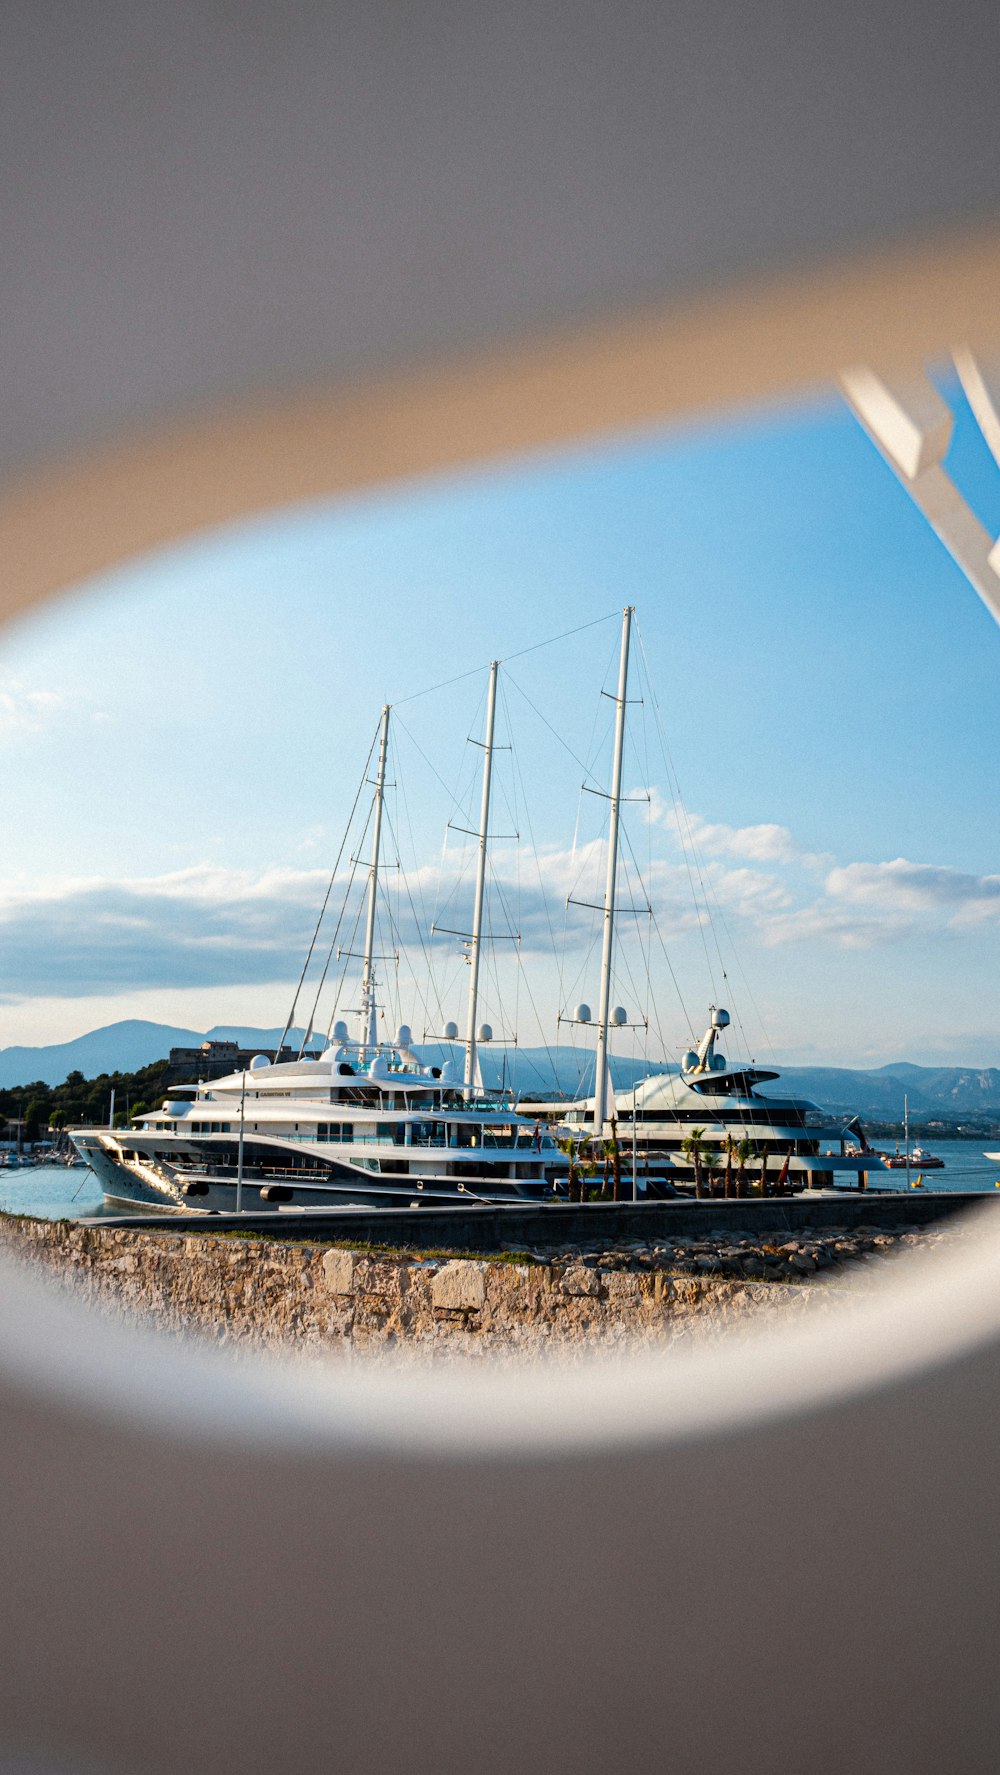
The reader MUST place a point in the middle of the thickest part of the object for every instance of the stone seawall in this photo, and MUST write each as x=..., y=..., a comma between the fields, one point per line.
x=271, y=1294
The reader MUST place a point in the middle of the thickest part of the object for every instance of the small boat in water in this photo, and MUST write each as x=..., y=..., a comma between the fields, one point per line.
x=918, y=1160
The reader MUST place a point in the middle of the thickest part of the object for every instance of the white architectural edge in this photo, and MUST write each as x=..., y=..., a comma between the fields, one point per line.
x=912, y=426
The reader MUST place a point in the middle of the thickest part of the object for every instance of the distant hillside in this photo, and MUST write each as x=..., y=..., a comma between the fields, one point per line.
x=946, y=1092
x=120, y=1047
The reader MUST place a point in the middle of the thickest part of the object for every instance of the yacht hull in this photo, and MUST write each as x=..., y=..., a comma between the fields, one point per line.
x=137, y=1182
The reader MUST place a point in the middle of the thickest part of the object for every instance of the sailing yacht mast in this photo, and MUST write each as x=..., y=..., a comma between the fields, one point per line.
x=369, y=1015
x=475, y=943
x=604, y=1008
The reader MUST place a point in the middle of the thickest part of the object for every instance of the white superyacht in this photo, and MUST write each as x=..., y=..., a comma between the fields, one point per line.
x=366, y=1124
x=715, y=1104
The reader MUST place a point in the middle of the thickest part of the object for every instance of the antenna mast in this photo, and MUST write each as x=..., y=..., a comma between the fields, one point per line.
x=475, y=945
x=604, y=1010
x=369, y=1029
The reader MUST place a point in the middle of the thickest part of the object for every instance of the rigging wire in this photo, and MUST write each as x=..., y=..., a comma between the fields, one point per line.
x=326, y=898
x=425, y=1006
x=520, y=654
x=347, y=962
x=544, y=896
x=709, y=902
x=355, y=865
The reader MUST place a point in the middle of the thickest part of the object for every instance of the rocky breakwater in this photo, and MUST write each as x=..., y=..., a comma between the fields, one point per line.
x=281, y=1294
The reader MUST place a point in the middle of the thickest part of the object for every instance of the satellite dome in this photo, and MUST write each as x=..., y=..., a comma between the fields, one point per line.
x=449, y=1073
x=451, y=1032
x=379, y=1068
x=720, y=1018
x=404, y=1036
x=718, y=1062
x=340, y=1030
x=259, y=1062
x=619, y=1015
x=582, y=1013
x=485, y=1032
x=689, y=1061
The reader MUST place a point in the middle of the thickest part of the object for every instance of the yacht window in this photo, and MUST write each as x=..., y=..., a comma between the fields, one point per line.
x=394, y=1131
x=469, y=1134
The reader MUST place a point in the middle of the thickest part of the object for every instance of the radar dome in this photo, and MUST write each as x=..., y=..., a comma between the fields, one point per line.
x=689, y=1061
x=451, y=1032
x=718, y=1062
x=583, y=1013
x=404, y=1036
x=619, y=1015
x=379, y=1068
x=259, y=1062
x=340, y=1030
x=485, y=1032
x=720, y=1019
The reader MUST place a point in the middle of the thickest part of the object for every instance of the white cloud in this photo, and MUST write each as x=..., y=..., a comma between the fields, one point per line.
x=765, y=842
x=900, y=887
x=857, y=905
x=26, y=711
x=209, y=927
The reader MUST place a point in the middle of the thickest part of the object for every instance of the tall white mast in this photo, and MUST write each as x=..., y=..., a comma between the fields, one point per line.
x=604, y=1010
x=475, y=946
x=369, y=1015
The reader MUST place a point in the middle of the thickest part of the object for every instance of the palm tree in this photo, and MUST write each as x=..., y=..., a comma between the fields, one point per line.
x=730, y=1149
x=742, y=1151
x=611, y=1156
x=693, y=1146
x=579, y=1167
x=763, y=1170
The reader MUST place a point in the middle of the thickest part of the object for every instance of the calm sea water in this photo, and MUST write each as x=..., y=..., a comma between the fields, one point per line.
x=54, y=1193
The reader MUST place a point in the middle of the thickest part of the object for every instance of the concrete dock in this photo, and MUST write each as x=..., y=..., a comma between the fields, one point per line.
x=536, y=1226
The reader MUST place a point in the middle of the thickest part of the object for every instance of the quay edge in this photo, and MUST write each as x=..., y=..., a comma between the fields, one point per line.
x=505, y=1227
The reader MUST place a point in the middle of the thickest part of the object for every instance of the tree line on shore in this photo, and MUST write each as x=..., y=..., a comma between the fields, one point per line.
x=43, y=1110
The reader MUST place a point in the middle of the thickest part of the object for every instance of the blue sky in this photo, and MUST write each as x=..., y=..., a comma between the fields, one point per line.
x=182, y=743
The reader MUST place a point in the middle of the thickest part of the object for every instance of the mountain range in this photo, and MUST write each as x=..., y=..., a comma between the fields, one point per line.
x=934, y=1092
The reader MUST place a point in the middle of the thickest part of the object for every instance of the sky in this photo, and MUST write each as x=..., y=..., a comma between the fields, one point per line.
x=810, y=760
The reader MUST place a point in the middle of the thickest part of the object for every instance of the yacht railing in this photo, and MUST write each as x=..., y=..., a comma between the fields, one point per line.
x=523, y=1144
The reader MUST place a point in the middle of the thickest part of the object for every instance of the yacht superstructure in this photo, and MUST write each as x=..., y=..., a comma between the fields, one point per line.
x=368, y=1123
x=716, y=1103
x=358, y=1126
